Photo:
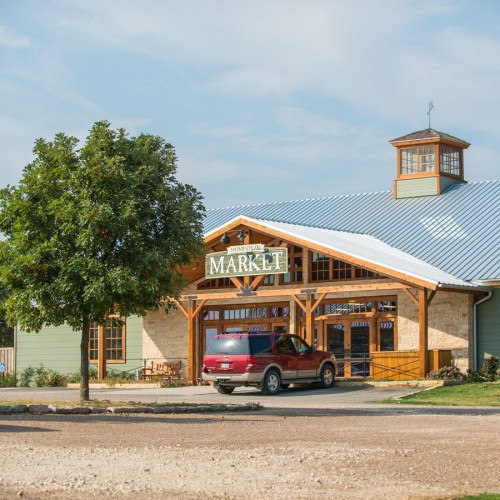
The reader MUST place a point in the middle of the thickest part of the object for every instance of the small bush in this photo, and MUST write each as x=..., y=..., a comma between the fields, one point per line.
x=475, y=376
x=446, y=373
x=490, y=368
x=26, y=376
x=8, y=380
x=42, y=377
x=120, y=376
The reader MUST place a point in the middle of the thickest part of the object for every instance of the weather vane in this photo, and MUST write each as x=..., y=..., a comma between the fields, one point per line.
x=431, y=106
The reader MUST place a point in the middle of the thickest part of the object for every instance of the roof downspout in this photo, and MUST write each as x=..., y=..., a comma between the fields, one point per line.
x=484, y=299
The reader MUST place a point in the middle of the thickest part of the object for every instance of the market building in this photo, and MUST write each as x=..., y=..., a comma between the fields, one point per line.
x=388, y=281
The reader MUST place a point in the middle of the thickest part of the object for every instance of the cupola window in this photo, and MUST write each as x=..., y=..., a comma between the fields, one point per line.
x=416, y=160
x=449, y=161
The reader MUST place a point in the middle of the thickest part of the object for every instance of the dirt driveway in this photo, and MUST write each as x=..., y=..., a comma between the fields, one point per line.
x=301, y=450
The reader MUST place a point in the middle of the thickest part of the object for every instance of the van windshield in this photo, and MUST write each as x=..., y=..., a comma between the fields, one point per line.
x=239, y=345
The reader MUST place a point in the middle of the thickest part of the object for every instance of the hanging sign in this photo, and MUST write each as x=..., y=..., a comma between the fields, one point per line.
x=246, y=260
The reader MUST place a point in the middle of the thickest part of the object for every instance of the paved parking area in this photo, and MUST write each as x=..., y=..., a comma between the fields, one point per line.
x=291, y=398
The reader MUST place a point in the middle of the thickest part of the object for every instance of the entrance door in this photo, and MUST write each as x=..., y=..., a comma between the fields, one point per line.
x=360, y=349
x=335, y=342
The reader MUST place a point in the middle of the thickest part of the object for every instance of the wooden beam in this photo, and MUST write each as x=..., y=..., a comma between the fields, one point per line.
x=299, y=302
x=318, y=302
x=290, y=292
x=256, y=282
x=199, y=307
x=181, y=307
x=236, y=282
x=431, y=296
x=423, y=330
x=412, y=297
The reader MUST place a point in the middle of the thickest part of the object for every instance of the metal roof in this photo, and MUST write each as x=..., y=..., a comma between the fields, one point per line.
x=367, y=248
x=457, y=232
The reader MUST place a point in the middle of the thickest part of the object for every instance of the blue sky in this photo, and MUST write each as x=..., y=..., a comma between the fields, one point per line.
x=262, y=100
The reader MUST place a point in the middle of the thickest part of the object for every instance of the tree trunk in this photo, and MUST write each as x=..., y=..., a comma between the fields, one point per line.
x=84, y=367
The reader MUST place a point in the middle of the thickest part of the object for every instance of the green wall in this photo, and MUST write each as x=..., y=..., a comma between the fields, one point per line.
x=58, y=348
x=488, y=328
x=422, y=186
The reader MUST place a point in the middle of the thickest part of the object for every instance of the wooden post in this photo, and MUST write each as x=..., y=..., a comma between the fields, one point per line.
x=101, y=353
x=373, y=340
x=191, y=341
x=310, y=317
x=423, y=329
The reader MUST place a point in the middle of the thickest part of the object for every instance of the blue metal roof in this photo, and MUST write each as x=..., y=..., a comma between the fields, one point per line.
x=457, y=231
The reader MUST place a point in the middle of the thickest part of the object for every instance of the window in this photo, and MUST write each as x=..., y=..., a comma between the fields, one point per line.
x=323, y=268
x=416, y=160
x=114, y=334
x=294, y=274
x=320, y=266
x=216, y=283
x=449, y=160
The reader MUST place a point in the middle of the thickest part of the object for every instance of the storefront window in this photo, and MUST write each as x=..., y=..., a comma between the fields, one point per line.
x=114, y=334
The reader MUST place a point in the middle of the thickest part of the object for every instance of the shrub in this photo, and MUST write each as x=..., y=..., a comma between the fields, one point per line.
x=8, y=380
x=446, y=373
x=120, y=376
x=42, y=377
x=475, y=376
x=26, y=376
x=490, y=368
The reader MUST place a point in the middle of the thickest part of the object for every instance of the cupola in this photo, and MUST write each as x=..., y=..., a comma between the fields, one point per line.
x=428, y=162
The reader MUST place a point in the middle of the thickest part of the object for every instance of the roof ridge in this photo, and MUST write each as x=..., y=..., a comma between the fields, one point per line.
x=298, y=200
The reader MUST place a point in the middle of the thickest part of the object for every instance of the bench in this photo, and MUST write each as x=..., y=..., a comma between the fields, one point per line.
x=163, y=370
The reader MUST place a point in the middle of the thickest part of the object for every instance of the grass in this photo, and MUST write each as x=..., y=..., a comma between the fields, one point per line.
x=485, y=394
x=482, y=496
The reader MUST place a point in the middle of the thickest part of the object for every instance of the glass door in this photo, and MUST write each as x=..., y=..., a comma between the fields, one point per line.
x=335, y=342
x=387, y=339
x=360, y=349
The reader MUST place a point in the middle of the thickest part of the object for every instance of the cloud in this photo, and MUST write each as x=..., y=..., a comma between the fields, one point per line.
x=11, y=41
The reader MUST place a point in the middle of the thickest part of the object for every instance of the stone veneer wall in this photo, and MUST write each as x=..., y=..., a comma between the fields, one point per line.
x=165, y=338
x=450, y=325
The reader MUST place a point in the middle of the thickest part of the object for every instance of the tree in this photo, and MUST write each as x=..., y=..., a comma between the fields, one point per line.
x=6, y=331
x=96, y=230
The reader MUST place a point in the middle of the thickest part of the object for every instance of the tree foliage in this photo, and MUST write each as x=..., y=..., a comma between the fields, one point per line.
x=93, y=230
x=6, y=331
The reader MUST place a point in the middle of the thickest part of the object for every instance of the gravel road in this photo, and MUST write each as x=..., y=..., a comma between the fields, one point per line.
x=366, y=451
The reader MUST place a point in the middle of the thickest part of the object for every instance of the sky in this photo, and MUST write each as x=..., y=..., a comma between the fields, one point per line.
x=263, y=100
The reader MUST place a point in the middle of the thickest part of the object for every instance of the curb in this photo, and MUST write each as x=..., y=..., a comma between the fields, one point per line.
x=86, y=410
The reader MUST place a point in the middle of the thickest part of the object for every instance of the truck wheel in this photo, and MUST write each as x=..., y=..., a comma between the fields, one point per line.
x=272, y=383
x=224, y=389
x=327, y=376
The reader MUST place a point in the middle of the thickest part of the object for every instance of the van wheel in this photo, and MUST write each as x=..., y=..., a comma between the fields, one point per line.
x=224, y=389
x=327, y=377
x=272, y=383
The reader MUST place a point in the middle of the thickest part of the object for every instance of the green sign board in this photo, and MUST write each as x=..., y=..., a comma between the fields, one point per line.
x=246, y=260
